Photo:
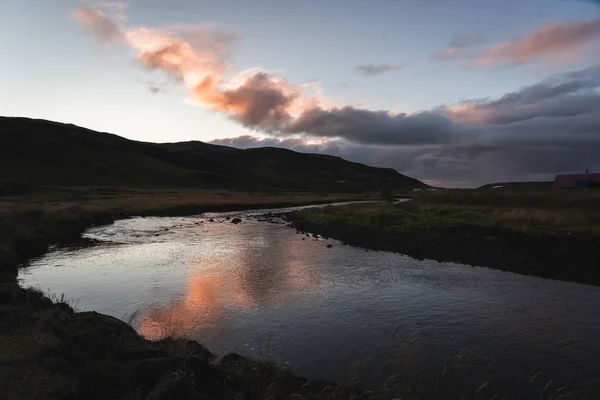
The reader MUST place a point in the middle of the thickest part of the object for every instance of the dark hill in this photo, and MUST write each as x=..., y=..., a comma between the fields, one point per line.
x=40, y=152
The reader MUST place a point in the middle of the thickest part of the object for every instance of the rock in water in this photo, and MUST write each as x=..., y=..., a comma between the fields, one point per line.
x=236, y=221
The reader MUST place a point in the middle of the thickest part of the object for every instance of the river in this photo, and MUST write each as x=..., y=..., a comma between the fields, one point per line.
x=336, y=313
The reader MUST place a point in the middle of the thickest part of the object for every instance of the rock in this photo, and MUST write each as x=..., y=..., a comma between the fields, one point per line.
x=104, y=324
x=11, y=317
x=99, y=334
x=64, y=307
x=236, y=221
x=163, y=374
x=7, y=311
x=140, y=348
x=149, y=371
x=172, y=387
x=211, y=220
x=52, y=318
x=185, y=348
x=10, y=294
x=77, y=356
x=60, y=395
x=303, y=238
x=209, y=378
x=59, y=364
x=329, y=246
x=232, y=358
x=227, y=218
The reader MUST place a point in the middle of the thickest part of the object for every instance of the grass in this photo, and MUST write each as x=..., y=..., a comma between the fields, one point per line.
x=547, y=232
x=536, y=209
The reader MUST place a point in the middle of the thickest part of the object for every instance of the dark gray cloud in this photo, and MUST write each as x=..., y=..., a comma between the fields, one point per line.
x=377, y=69
x=374, y=127
x=564, y=95
x=530, y=134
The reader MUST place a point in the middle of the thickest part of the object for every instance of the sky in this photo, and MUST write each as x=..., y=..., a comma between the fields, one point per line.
x=456, y=93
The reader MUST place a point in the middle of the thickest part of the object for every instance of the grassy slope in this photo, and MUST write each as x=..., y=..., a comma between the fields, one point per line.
x=38, y=152
x=550, y=233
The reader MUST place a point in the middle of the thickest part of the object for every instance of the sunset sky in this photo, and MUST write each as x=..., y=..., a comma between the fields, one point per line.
x=452, y=92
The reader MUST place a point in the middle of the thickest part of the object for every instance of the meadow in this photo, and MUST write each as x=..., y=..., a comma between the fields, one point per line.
x=529, y=229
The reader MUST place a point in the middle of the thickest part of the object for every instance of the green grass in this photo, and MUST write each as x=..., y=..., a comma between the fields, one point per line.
x=546, y=232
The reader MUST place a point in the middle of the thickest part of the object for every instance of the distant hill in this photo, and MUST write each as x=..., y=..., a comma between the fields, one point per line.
x=39, y=152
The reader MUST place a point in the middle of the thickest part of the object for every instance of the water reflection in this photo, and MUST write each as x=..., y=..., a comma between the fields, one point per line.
x=337, y=313
x=227, y=277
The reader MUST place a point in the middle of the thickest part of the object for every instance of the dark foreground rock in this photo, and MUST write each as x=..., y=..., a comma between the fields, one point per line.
x=47, y=351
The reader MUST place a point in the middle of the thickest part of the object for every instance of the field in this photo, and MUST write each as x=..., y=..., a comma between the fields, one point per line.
x=529, y=229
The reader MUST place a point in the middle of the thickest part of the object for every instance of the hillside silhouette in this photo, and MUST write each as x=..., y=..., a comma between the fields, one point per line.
x=40, y=152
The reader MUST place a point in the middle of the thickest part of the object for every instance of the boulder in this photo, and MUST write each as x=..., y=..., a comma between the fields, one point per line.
x=186, y=348
x=172, y=387
x=99, y=334
x=148, y=372
x=236, y=221
x=232, y=358
x=136, y=349
x=64, y=307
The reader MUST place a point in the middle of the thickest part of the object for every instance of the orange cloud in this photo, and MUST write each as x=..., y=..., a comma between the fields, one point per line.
x=561, y=42
x=196, y=56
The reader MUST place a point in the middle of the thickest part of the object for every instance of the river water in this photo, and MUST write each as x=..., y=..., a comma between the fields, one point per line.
x=341, y=313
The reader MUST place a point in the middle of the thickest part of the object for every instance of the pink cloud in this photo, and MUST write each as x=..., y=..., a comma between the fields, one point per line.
x=562, y=42
x=97, y=22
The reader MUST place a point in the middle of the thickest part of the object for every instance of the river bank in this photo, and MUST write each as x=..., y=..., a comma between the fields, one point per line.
x=30, y=224
x=48, y=351
x=509, y=232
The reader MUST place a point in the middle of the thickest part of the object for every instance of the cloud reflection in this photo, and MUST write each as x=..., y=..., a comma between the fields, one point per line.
x=240, y=273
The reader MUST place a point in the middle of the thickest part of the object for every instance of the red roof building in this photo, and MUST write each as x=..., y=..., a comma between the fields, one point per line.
x=577, y=181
